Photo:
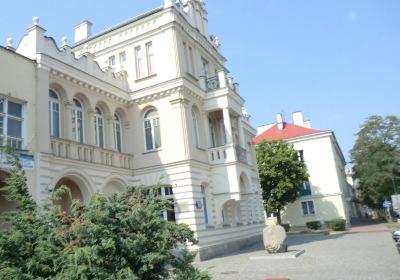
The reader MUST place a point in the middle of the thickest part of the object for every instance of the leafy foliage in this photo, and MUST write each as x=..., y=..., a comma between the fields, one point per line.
x=314, y=225
x=376, y=158
x=282, y=174
x=336, y=224
x=115, y=237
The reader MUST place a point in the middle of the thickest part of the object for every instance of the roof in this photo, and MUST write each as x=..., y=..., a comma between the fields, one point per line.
x=288, y=132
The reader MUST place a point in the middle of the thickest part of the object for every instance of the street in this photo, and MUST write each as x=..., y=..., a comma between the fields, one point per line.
x=362, y=253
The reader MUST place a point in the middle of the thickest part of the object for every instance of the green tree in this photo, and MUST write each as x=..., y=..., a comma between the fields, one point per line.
x=115, y=237
x=376, y=159
x=282, y=175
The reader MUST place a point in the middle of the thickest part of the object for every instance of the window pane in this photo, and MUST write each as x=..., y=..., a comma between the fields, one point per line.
x=1, y=125
x=56, y=124
x=149, y=139
x=14, y=128
x=157, y=136
x=14, y=109
x=2, y=105
x=311, y=207
x=304, y=207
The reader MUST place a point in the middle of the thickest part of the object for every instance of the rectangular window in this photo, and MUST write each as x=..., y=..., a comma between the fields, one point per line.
x=111, y=61
x=191, y=61
x=307, y=207
x=150, y=58
x=139, y=63
x=122, y=58
x=166, y=192
x=11, y=124
x=301, y=155
x=206, y=71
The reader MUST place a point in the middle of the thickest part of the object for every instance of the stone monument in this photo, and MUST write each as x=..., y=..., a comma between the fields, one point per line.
x=274, y=237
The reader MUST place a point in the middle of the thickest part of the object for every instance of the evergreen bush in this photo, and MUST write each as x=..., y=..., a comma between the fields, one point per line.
x=314, y=225
x=336, y=224
x=114, y=237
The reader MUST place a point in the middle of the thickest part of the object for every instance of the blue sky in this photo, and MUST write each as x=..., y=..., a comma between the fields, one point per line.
x=338, y=61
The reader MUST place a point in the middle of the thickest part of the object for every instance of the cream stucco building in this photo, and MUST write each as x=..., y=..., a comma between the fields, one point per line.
x=327, y=194
x=147, y=101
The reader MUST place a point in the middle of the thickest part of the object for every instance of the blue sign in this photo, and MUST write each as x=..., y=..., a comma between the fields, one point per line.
x=387, y=204
x=198, y=204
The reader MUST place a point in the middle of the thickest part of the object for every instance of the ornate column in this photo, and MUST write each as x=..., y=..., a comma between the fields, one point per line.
x=109, y=133
x=227, y=125
x=67, y=129
x=91, y=137
x=241, y=133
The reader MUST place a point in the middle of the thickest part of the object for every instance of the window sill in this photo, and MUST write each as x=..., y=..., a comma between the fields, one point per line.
x=152, y=151
x=145, y=78
x=201, y=149
x=308, y=215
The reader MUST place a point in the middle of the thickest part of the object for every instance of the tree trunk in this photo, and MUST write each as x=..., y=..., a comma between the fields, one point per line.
x=278, y=216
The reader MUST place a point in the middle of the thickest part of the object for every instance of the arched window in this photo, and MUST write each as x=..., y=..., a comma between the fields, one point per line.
x=152, y=130
x=54, y=114
x=99, y=127
x=203, y=192
x=117, y=133
x=195, y=128
x=77, y=122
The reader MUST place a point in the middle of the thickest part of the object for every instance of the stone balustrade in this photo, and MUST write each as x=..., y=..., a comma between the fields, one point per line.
x=88, y=153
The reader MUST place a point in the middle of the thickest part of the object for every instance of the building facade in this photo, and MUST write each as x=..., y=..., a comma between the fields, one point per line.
x=148, y=101
x=327, y=194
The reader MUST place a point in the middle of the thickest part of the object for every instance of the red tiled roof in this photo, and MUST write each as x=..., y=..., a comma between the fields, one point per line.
x=289, y=131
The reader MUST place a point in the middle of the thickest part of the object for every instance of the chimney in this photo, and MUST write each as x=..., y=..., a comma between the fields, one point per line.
x=307, y=123
x=280, y=121
x=82, y=31
x=298, y=118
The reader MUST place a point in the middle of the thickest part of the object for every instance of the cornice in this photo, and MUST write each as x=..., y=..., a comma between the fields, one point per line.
x=88, y=86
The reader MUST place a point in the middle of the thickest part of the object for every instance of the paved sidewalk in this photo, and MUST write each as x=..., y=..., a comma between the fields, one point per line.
x=364, y=256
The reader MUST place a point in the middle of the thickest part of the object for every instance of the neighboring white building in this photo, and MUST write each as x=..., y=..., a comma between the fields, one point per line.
x=327, y=194
x=147, y=101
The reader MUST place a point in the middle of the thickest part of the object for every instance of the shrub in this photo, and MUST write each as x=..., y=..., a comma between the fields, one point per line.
x=336, y=224
x=117, y=237
x=314, y=225
x=286, y=227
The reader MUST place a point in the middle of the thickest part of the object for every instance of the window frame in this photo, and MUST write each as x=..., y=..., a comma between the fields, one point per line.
x=152, y=120
x=99, y=126
x=111, y=61
x=169, y=195
x=117, y=122
x=307, y=203
x=150, y=58
x=205, y=209
x=5, y=139
x=139, y=62
x=74, y=114
x=122, y=57
x=53, y=101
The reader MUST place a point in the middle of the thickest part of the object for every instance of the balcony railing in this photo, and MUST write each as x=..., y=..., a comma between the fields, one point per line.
x=241, y=154
x=73, y=150
x=212, y=84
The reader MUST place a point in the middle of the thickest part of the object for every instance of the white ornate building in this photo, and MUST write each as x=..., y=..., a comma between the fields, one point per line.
x=147, y=101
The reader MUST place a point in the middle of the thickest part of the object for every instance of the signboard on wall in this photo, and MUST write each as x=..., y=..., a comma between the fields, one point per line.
x=27, y=161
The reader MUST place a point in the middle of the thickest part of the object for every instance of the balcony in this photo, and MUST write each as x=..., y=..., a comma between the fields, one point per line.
x=227, y=153
x=209, y=84
x=92, y=154
x=241, y=154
